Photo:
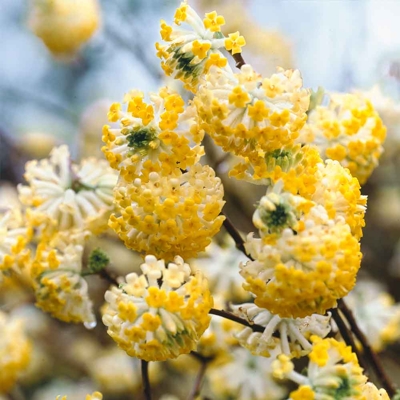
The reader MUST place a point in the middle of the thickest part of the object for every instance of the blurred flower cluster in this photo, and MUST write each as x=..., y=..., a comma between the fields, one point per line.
x=134, y=236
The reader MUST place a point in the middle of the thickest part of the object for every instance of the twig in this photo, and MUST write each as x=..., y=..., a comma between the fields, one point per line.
x=236, y=236
x=347, y=335
x=103, y=274
x=233, y=317
x=106, y=275
x=198, y=382
x=370, y=354
x=145, y=380
x=238, y=59
x=200, y=357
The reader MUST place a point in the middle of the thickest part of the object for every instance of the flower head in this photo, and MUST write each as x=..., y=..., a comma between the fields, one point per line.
x=246, y=114
x=63, y=195
x=64, y=25
x=14, y=236
x=302, y=272
x=333, y=372
x=15, y=351
x=348, y=130
x=278, y=210
x=295, y=165
x=160, y=135
x=160, y=314
x=59, y=287
x=189, y=52
x=291, y=335
x=170, y=215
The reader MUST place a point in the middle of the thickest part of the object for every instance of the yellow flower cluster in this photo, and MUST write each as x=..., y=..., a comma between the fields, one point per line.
x=93, y=396
x=298, y=273
x=63, y=196
x=308, y=254
x=13, y=239
x=189, y=53
x=249, y=115
x=170, y=215
x=160, y=314
x=333, y=372
x=348, y=130
x=15, y=351
x=339, y=192
x=64, y=25
x=290, y=336
x=160, y=136
x=56, y=277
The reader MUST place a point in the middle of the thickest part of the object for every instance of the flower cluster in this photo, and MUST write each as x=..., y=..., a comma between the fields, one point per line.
x=160, y=314
x=249, y=115
x=160, y=136
x=170, y=215
x=189, y=53
x=303, y=271
x=348, y=130
x=13, y=239
x=64, y=25
x=333, y=372
x=15, y=351
x=292, y=336
x=62, y=195
x=59, y=287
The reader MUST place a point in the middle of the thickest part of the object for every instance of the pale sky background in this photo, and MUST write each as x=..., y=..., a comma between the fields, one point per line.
x=338, y=44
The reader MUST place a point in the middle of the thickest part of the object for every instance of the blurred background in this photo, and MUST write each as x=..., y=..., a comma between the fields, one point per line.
x=48, y=99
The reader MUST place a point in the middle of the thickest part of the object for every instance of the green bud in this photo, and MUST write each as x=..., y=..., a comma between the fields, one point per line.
x=98, y=260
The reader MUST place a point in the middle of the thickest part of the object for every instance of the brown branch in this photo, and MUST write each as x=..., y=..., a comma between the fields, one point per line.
x=370, y=354
x=106, y=275
x=145, y=380
x=239, y=60
x=236, y=236
x=199, y=357
x=233, y=317
x=199, y=380
x=347, y=335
